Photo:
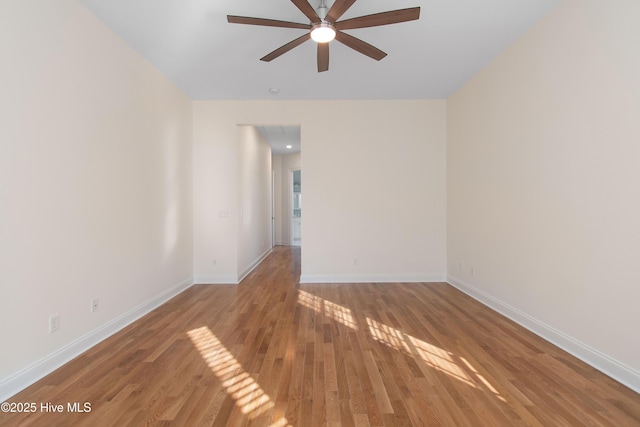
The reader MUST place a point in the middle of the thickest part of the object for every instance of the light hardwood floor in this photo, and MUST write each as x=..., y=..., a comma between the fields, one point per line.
x=271, y=352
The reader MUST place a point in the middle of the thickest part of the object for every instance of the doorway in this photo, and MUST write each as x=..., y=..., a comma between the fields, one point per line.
x=285, y=142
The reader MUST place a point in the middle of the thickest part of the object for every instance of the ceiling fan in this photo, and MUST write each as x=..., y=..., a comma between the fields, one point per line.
x=325, y=26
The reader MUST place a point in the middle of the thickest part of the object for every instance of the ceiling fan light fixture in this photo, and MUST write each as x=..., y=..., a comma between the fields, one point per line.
x=325, y=25
x=323, y=32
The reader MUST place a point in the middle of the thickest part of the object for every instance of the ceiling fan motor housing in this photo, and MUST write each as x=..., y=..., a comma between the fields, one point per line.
x=322, y=11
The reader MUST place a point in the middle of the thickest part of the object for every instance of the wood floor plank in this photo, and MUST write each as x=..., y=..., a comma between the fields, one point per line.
x=271, y=352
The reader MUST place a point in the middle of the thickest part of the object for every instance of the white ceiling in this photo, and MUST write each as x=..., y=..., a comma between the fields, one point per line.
x=191, y=42
x=278, y=137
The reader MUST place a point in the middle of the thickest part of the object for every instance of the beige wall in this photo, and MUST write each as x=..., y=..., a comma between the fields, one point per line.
x=95, y=185
x=543, y=183
x=254, y=194
x=374, y=187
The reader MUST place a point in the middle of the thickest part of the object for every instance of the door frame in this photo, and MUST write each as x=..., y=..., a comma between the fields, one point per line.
x=290, y=210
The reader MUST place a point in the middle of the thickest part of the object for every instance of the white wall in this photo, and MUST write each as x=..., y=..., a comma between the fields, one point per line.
x=286, y=163
x=374, y=187
x=95, y=185
x=254, y=198
x=543, y=183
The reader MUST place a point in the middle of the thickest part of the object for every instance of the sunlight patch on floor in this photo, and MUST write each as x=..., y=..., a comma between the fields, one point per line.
x=247, y=393
x=455, y=366
x=444, y=361
x=331, y=310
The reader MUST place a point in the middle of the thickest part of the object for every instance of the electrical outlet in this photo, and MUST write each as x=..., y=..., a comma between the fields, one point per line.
x=355, y=261
x=95, y=305
x=459, y=265
x=54, y=323
x=214, y=262
x=473, y=271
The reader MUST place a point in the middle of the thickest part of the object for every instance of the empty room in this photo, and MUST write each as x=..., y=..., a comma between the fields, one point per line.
x=320, y=212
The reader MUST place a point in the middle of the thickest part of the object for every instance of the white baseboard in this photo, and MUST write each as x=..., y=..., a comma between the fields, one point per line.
x=253, y=265
x=29, y=375
x=229, y=279
x=221, y=279
x=607, y=365
x=371, y=278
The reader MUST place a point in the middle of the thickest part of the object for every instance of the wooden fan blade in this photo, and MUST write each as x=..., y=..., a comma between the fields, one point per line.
x=323, y=57
x=285, y=48
x=338, y=9
x=362, y=47
x=377, y=19
x=307, y=9
x=265, y=22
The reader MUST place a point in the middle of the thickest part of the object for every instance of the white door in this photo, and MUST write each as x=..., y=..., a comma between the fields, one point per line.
x=296, y=207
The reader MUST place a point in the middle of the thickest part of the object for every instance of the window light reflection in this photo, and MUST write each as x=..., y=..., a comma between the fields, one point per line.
x=247, y=393
x=331, y=310
x=455, y=366
x=446, y=362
